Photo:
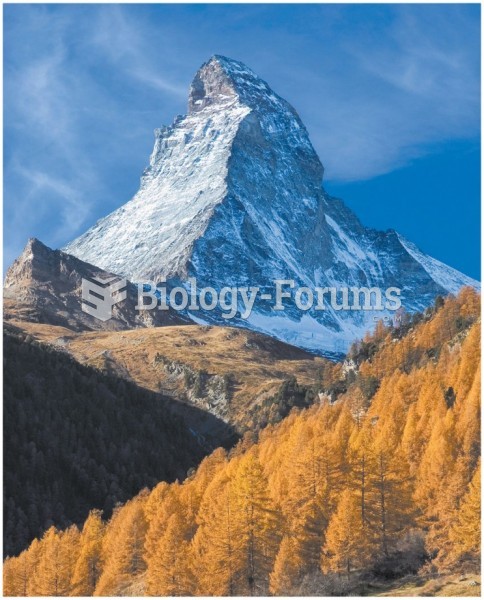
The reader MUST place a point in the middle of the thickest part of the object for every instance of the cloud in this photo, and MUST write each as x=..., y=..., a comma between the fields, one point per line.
x=71, y=207
x=125, y=42
x=405, y=88
x=63, y=126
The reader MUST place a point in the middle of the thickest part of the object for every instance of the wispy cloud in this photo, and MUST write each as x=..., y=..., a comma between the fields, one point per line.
x=125, y=42
x=385, y=90
x=71, y=206
x=63, y=128
x=377, y=87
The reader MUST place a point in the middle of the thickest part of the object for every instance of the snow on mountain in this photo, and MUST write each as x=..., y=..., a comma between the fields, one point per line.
x=233, y=196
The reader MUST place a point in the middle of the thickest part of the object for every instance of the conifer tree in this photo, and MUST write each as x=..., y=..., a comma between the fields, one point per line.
x=70, y=549
x=391, y=504
x=217, y=558
x=52, y=574
x=87, y=569
x=465, y=534
x=168, y=571
x=123, y=549
x=18, y=575
x=344, y=549
x=438, y=475
x=469, y=362
x=258, y=525
x=314, y=489
x=287, y=568
x=162, y=503
x=12, y=582
x=467, y=426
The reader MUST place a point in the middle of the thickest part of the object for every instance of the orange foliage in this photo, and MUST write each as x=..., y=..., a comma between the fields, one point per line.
x=336, y=487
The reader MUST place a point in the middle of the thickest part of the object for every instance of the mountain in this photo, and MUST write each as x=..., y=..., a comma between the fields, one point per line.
x=233, y=195
x=44, y=286
x=245, y=379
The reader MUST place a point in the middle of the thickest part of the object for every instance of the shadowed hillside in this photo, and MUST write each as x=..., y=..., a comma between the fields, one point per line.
x=77, y=439
x=245, y=378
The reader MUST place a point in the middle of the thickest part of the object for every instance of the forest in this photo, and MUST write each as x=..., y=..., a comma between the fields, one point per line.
x=378, y=478
x=77, y=439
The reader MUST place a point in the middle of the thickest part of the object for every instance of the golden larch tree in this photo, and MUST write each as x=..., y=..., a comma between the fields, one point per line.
x=52, y=575
x=168, y=572
x=287, y=568
x=345, y=546
x=217, y=560
x=465, y=534
x=123, y=549
x=258, y=523
x=87, y=569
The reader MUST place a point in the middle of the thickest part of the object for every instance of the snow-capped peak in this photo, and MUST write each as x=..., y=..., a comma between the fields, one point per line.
x=218, y=81
x=233, y=196
x=222, y=79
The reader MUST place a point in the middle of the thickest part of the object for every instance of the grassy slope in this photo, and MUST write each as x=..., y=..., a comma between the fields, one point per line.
x=258, y=363
x=444, y=585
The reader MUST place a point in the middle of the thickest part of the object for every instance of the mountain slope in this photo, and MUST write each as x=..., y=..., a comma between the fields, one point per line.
x=78, y=439
x=242, y=377
x=233, y=196
x=339, y=499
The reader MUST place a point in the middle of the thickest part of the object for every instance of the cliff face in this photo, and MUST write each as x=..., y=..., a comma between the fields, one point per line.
x=45, y=286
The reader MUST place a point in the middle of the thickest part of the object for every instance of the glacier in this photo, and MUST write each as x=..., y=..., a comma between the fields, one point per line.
x=233, y=195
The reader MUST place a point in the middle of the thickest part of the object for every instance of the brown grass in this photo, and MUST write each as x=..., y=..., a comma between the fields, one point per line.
x=259, y=364
x=468, y=585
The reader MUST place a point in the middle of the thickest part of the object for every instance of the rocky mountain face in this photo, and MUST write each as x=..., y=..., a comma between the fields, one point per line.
x=220, y=380
x=45, y=286
x=233, y=196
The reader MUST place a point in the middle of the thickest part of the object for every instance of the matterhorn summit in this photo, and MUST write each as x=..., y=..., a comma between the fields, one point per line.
x=223, y=183
x=233, y=196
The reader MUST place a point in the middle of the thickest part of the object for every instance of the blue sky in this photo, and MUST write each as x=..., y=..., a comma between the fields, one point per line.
x=390, y=95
